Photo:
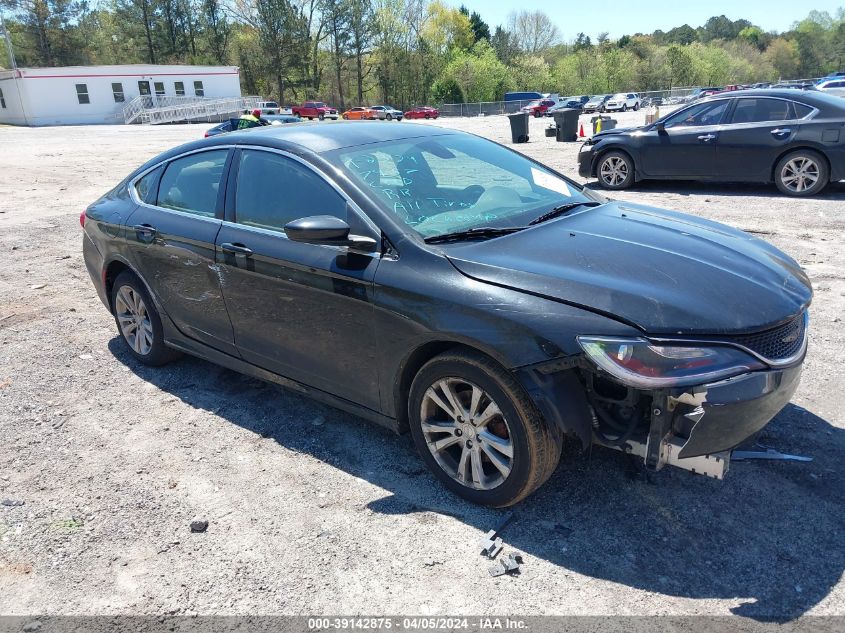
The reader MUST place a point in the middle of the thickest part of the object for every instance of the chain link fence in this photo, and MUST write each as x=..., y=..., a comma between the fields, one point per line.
x=669, y=97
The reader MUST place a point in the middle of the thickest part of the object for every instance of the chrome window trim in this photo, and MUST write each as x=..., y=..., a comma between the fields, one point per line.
x=133, y=192
x=777, y=364
x=812, y=113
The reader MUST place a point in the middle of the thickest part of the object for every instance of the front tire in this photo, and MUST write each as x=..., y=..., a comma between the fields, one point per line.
x=478, y=431
x=625, y=108
x=138, y=321
x=636, y=107
x=615, y=171
x=802, y=173
x=322, y=117
x=389, y=117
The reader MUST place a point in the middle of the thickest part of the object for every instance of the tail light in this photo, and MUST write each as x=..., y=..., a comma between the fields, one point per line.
x=82, y=219
x=206, y=135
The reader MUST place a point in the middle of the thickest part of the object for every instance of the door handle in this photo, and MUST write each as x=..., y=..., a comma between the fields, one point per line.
x=781, y=131
x=706, y=137
x=235, y=249
x=145, y=232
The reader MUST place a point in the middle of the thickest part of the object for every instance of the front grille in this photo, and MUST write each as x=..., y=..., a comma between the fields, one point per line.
x=780, y=343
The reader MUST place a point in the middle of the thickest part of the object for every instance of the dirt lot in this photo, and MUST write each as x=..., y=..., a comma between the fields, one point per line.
x=314, y=511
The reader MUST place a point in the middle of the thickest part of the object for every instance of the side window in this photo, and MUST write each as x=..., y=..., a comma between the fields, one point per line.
x=709, y=113
x=179, y=88
x=191, y=183
x=199, y=91
x=273, y=190
x=117, y=91
x=144, y=88
x=146, y=186
x=757, y=110
x=159, y=87
x=802, y=110
x=82, y=93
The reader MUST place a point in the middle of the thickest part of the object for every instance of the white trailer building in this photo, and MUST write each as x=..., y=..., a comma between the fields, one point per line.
x=74, y=95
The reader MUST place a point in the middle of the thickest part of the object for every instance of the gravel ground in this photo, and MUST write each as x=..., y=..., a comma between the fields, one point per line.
x=313, y=511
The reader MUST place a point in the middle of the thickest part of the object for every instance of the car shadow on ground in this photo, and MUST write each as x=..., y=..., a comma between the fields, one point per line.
x=768, y=537
x=834, y=191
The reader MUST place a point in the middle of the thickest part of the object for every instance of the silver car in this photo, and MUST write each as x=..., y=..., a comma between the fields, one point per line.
x=386, y=112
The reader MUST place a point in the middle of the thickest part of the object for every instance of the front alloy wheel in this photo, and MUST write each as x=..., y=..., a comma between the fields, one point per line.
x=801, y=173
x=478, y=431
x=466, y=433
x=615, y=171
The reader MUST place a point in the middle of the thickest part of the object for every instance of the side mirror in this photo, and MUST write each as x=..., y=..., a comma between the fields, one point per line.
x=328, y=230
x=660, y=127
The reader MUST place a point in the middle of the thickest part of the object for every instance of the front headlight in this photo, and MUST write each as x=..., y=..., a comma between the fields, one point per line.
x=642, y=364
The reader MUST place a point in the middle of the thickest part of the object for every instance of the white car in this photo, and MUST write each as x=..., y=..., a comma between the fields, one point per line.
x=834, y=86
x=269, y=107
x=623, y=101
x=386, y=112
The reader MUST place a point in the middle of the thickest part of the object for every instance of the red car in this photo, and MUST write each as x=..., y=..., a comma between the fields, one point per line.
x=315, y=110
x=538, y=108
x=423, y=112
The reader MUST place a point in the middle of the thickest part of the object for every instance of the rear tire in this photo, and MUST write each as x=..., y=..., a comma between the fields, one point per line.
x=494, y=448
x=803, y=172
x=615, y=170
x=138, y=321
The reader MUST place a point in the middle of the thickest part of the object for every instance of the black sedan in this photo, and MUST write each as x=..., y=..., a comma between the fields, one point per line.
x=796, y=139
x=437, y=282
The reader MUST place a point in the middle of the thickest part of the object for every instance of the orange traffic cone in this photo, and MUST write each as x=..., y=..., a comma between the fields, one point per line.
x=581, y=132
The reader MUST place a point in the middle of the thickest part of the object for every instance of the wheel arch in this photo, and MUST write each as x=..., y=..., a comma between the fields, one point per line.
x=414, y=361
x=113, y=269
x=798, y=148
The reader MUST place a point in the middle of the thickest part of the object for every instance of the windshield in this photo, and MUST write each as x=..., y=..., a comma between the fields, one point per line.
x=271, y=104
x=620, y=97
x=454, y=183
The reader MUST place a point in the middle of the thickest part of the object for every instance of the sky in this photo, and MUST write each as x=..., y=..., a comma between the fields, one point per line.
x=626, y=17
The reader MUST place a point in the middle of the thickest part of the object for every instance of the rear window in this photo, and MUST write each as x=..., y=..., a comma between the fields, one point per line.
x=759, y=110
x=191, y=183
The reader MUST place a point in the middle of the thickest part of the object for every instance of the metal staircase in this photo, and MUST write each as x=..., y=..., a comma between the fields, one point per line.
x=163, y=109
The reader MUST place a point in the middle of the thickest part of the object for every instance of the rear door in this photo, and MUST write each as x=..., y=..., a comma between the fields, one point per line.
x=758, y=130
x=303, y=311
x=171, y=237
x=686, y=147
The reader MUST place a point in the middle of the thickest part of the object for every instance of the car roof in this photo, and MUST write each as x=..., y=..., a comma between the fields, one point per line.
x=815, y=98
x=321, y=137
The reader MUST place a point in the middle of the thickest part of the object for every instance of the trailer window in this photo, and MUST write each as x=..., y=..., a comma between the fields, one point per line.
x=159, y=86
x=82, y=93
x=180, y=88
x=117, y=91
x=198, y=89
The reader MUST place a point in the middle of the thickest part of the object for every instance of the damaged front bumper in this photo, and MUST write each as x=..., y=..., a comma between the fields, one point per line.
x=696, y=428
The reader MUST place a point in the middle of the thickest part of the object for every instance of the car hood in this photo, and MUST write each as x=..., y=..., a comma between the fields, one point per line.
x=660, y=271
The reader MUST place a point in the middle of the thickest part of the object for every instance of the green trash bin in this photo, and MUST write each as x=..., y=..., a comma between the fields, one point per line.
x=566, y=122
x=519, y=127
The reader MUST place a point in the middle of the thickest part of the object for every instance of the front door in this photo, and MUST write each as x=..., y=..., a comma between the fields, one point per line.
x=171, y=237
x=686, y=146
x=300, y=310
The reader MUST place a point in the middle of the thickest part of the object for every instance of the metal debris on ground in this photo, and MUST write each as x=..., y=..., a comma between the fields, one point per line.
x=12, y=502
x=506, y=565
x=491, y=544
x=769, y=453
x=199, y=525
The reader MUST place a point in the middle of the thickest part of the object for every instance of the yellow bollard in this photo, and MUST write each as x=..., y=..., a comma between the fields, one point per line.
x=598, y=126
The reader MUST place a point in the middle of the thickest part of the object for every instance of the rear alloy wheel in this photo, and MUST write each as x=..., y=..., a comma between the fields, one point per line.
x=615, y=171
x=138, y=321
x=478, y=430
x=802, y=173
x=345, y=117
